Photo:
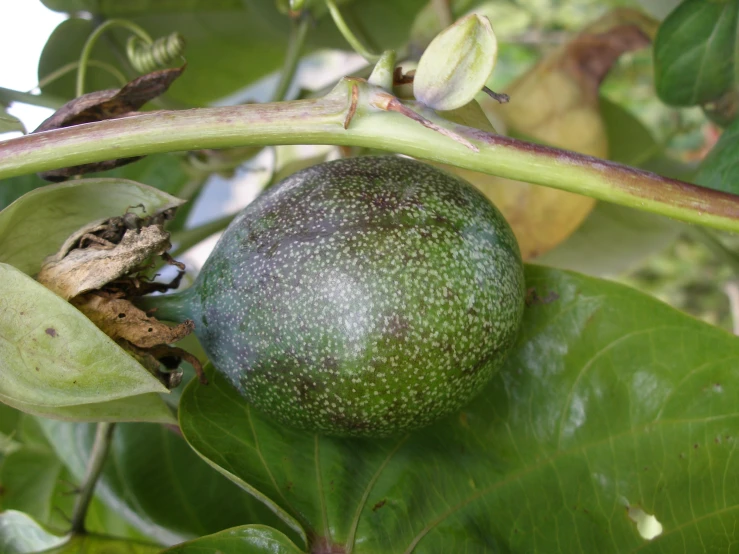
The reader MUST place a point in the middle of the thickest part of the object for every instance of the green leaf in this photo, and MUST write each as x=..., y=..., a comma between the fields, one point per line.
x=696, y=52
x=52, y=356
x=720, y=169
x=612, y=239
x=96, y=544
x=35, y=482
x=247, y=539
x=157, y=483
x=38, y=223
x=15, y=187
x=31, y=479
x=230, y=43
x=20, y=534
x=9, y=122
x=659, y=8
x=611, y=403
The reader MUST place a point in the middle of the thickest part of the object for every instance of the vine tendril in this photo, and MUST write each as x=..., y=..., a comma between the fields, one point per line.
x=145, y=56
x=92, y=39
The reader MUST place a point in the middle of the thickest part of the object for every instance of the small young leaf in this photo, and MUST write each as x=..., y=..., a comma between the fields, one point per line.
x=36, y=225
x=252, y=539
x=457, y=64
x=51, y=356
x=608, y=395
x=696, y=57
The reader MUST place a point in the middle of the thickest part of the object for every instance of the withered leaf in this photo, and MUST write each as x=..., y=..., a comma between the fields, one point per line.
x=72, y=272
x=120, y=319
x=107, y=104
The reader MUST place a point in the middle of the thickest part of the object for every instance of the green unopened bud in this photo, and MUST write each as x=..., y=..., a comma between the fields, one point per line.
x=457, y=64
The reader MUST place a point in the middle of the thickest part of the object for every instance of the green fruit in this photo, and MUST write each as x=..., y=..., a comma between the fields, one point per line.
x=364, y=296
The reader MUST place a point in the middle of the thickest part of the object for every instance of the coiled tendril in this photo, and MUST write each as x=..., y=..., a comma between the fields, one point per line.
x=146, y=57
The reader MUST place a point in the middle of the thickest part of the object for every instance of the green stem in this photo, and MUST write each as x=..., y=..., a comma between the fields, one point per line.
x=350, y=37
x=8, y=95
x=168, y=307
x=98, y=454
x=376, y=124
x=292, y=57
x=92, y=39
x=188, y=238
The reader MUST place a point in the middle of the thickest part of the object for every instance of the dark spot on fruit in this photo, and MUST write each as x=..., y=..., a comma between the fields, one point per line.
x=379, y=505
x=37, y=369
x=51, y=332
x=121, y=316
x=150, y=329
x=289, y=486
x=695, y=446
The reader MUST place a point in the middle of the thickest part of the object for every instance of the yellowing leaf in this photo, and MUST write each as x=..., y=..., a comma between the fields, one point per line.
x=556, y=103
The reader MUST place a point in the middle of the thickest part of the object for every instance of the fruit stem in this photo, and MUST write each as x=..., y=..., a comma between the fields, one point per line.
x=187, y=238
x=168, y=307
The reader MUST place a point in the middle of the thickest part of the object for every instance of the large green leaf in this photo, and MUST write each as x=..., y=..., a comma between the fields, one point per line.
x=53, y=359
x=15, y=187
x=247, y=539
x=612, y=407
x=696, y=52
x=720, y=169
x=230, y=43
x=156, y=482
x=38, y=223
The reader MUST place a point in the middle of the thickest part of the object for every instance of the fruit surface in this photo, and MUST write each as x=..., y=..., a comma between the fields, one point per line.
x=364, y=296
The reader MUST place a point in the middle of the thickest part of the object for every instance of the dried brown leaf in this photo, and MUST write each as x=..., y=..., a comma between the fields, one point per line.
x=72, y=272
x=120, y=319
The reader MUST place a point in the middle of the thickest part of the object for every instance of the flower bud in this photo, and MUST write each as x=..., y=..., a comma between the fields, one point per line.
x=457, y=64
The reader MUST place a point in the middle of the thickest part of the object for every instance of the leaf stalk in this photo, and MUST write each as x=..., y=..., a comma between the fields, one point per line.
x=98, y=455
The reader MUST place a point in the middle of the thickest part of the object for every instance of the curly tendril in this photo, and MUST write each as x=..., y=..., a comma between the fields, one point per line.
x=146, y=57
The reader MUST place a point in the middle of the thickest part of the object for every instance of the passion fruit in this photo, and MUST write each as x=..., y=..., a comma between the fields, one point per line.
x=363, y=297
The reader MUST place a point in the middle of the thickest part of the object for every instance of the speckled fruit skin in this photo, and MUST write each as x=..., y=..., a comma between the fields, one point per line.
x=363, y=297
